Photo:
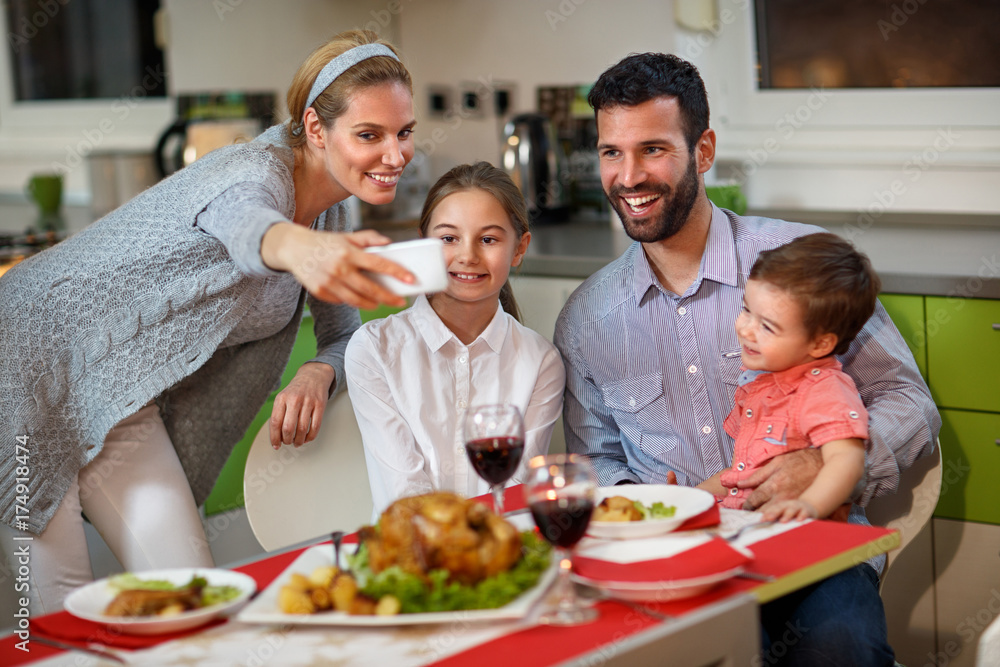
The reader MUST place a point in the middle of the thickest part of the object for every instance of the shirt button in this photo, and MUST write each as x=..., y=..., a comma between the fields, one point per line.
x=733, y=491
x=631, y=402
x=460, y=450
x=749, y=413
x=815, y=371
x=462, y=360
x=769, y=428
x=692, y=369
x=741, y=466
x=706, y=429
x=682, y=311
x=461, y=404
x=853, y=414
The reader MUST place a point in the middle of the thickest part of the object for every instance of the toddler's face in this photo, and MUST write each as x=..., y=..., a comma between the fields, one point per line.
x=480, y=244
x=772, y=336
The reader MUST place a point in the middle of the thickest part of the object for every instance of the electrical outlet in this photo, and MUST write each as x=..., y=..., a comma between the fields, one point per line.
x=438, y=101
x=503, y=99
x=470, y=102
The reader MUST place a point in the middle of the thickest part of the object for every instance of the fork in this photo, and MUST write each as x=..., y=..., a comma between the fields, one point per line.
x=92, y=649
x=337, y=537
x=745, y=529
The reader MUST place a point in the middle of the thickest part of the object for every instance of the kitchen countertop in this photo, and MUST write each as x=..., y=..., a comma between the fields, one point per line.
x=913, y=253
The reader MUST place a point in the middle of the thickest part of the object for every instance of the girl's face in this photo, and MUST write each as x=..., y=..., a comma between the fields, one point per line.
x=366, y=149
x=480, y=244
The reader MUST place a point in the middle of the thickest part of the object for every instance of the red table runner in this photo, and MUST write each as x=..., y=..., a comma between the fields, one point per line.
x=782, y=554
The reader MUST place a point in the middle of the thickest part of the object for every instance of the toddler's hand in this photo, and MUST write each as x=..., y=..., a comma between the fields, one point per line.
x=788, y=510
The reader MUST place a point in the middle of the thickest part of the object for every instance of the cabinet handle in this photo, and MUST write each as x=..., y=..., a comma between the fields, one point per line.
x=996, y=327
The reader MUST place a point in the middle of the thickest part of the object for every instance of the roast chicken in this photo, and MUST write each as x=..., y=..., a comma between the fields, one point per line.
x=139, y=602
x=442, y=531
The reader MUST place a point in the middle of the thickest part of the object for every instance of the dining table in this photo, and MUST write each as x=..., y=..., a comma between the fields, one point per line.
x=779, y=559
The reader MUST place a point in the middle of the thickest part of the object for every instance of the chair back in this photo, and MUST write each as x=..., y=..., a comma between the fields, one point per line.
x=297, y=494
x=989, y=645
x=911, y=507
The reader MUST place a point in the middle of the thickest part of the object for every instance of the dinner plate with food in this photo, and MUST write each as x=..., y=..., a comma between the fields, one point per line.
x=631, y=511
x=160, y=601
x=432, y=558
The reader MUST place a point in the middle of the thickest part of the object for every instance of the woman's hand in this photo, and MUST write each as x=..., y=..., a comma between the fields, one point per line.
x=330, y=265
x=298, y=408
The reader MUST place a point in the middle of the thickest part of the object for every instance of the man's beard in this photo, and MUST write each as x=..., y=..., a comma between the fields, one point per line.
x=675, y=209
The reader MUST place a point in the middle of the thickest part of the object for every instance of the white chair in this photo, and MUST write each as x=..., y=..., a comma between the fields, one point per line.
x=293, y=495
x=907, y=584
x=989, y=645
x=911, y=507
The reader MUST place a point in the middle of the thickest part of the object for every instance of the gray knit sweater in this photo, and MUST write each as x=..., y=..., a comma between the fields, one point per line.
x=135, y=308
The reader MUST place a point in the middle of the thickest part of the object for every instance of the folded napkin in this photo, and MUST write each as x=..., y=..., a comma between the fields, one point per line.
x=683, y=558
x=706, y=519
x=63, y=626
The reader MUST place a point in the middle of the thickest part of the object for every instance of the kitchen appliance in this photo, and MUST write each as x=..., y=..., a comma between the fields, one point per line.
x=207, y=121
x=533, y=159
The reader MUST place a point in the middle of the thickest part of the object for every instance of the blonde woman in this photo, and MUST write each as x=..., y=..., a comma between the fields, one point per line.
x=137, y=352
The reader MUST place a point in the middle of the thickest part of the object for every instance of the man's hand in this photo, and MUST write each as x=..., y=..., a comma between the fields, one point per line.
x=784, y=477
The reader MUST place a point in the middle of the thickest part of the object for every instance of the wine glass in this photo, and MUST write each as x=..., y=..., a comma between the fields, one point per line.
x=560, y=490
x=494, y=441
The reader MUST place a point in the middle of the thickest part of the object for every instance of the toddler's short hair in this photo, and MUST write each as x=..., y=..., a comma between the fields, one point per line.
x=834, y=284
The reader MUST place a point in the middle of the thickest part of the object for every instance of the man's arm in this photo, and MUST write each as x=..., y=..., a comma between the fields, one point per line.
x=903, y=421
x=588, y=424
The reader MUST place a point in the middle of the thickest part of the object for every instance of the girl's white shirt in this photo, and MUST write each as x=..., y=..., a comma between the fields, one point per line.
x=411, y=381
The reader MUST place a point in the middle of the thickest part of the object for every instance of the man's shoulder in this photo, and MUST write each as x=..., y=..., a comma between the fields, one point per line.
x=602, y=292
x=756, y=233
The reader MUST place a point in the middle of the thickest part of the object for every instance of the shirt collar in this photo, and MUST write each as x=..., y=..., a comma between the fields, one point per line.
x=718, y=261
x=789, y=379
x=436, y=334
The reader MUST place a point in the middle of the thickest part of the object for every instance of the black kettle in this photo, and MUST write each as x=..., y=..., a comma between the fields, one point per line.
x=532, y=158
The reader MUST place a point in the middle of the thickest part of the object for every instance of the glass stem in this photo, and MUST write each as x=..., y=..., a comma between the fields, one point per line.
x=497, y=491
x=565, y=594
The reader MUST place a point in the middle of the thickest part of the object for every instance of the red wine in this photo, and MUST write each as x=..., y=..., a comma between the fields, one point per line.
x=495, y=459
x=563, y=521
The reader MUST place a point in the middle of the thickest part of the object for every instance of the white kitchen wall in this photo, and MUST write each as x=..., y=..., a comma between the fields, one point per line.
x=528, y=42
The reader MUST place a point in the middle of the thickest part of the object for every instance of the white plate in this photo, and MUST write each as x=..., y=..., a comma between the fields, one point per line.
x=264, y=609
x=424, y=258
x=89, y=602
x=658, y=591
x=690, y=502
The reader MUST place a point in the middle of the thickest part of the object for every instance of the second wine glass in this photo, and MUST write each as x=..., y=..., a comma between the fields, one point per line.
x=494, y=441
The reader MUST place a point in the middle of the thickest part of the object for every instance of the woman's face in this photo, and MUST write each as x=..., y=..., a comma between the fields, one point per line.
x=366, y=149
x=480, y=244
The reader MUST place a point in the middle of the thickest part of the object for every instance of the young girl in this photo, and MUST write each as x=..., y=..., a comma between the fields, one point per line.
x=413, y=375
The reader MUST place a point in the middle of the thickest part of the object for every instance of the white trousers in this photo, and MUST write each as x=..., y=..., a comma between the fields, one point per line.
x=136, y=495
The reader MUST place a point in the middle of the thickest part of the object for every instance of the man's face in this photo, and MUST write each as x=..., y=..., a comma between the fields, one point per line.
x=648, y=173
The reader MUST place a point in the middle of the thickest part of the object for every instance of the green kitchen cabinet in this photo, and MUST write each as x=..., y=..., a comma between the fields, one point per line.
x=963, y=352
x=907, y=313
x=227, y=494
x=970, y=445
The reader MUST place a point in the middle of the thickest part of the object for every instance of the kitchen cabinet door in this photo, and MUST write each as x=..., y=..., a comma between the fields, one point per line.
x=907, y=313
x=963, y=352
x=970, y=447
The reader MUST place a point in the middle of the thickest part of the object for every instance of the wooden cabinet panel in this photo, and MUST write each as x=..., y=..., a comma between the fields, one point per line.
x=963, y=352
x=971, y=462
x=967, y=567
x=907, y=313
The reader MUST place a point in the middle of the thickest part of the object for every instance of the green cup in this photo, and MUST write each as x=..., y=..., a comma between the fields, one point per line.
x=46, y=191
x=727, y=196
